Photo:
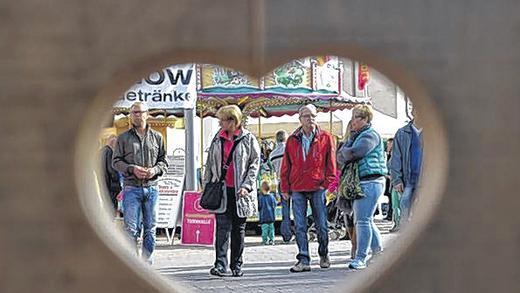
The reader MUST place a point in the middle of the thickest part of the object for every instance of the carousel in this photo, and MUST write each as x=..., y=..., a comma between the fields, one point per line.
x=328, y=82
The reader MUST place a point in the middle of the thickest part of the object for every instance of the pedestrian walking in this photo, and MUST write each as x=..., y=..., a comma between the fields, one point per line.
x=276, y=157
x=266, y=210
x=308, y=168
x=395, y=198
x=388, y=186
x=406, y=164
x=141, y=158
x=240, y=196
x=346, y=205
x=110, y=175
x=365, y=146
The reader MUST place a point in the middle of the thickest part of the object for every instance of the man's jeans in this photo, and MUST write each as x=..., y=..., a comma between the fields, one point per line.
x=406, y=202
x=285, y=226
x=135, y=201
x=367, y=234
x=319, y=212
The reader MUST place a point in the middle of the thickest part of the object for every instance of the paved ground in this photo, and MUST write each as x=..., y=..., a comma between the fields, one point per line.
x=266, y=268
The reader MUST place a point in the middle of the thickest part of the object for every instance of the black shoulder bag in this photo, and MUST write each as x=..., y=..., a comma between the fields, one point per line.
x=214, y=191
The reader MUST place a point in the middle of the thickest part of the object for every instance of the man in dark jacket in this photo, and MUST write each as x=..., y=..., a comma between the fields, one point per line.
x=406, y=164
x=110, y=175
x=141, y=158
x=308, y=167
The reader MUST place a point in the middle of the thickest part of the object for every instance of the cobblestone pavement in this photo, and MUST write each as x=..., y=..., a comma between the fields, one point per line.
x=266, y=268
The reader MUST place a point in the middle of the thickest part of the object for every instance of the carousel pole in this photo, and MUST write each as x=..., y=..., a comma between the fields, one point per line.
x=330, y=111
x=201, y=142
x=260, y=128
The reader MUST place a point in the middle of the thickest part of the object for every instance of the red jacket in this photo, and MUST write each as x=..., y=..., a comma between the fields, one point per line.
x=319, y=168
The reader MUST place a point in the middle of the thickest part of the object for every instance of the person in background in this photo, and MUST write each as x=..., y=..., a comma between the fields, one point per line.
x=346, y=205
x=240, y=197
x=406, y=164
x=266, y=208
x=395, y=197
x=276, y=157
x=110, y=175
x=388, y=186
x=365, y=146
x=308, y=168
x=266, y=171
x=141, y=158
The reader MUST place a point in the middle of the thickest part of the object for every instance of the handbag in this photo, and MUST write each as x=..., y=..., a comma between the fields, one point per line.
x=214, y=191
x=350, y=185
x=212, y=195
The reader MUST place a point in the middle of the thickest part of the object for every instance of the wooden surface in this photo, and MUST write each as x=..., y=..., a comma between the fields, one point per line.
x=61, y=63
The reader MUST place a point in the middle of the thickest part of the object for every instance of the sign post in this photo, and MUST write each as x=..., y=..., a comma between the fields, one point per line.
x=191, y=172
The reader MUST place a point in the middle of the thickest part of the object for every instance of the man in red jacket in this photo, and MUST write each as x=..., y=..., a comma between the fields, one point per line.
x=308, y=167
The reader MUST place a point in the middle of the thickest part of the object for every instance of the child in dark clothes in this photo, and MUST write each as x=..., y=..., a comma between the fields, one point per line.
x=266, y=208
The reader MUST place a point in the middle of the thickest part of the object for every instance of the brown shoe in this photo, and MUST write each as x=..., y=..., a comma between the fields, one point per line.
x=300, y=267
x=324, y=262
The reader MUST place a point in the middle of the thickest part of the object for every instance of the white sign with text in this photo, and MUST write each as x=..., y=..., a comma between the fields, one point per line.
x=174, y=87
x=172, y=183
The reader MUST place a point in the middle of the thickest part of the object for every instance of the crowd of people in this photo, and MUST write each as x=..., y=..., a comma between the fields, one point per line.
x=303, y=167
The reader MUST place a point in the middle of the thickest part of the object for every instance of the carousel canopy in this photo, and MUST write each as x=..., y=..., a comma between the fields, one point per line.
x=326, y=82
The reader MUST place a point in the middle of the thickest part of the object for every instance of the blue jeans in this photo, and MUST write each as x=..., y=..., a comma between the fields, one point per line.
x=367, y=234
x=319, y=212
x=143, y=200
x=285, y=226
x=406, y=202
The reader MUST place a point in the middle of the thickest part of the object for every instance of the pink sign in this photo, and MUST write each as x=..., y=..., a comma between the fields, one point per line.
x=198, y=226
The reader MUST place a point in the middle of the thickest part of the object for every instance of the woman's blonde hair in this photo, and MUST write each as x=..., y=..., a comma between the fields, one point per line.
x=230, y=112
x=363, y=111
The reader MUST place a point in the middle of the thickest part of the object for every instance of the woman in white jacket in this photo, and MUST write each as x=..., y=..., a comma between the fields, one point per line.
x=240, y=198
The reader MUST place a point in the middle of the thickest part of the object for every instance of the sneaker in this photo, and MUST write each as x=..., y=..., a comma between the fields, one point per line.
x=394, y=229
x=357, y=265
x=376, y=252
x=149, y=261
x=217, y=271
x=290, y=240
x=324, y=262
x=300, y=267
x=271, y=242
x=237, y=273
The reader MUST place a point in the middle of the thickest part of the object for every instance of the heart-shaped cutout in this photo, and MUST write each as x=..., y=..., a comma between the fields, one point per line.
x=262, y=106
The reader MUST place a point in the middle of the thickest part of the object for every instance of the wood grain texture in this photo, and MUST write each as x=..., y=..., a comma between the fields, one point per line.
x=62, y=61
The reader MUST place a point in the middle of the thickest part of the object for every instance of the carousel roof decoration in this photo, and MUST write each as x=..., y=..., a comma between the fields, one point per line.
x=318, y=80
